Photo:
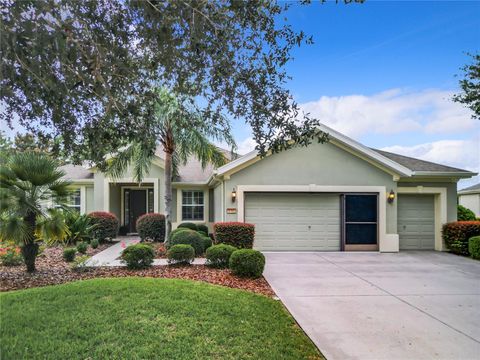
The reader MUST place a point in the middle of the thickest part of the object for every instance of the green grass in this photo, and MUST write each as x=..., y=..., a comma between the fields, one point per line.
x=141, y=318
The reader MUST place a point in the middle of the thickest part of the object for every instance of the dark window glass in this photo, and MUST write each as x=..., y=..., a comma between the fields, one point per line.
x=192, y=205
x=361, y=234
x=151, y=201
x=361, y=208
x=127, y=207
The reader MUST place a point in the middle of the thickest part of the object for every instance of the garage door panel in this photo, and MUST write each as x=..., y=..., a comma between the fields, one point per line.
x=416, y=222
x=294, y=221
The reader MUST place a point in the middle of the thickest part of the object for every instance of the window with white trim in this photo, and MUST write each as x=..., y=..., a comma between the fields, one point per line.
x=193, y=205
x=74, y=200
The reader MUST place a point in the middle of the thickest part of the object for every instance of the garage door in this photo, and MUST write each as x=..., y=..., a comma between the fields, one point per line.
x=294, y=222
x=416, y=222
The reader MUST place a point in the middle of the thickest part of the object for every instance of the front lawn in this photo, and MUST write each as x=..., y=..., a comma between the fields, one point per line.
x=142, y=318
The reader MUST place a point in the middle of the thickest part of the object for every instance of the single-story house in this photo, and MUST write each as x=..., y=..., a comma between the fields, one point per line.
x=338, y=196
x=470, y=198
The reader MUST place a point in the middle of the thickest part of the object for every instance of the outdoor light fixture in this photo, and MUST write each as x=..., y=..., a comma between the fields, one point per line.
x=234, y=195
x=391, y=197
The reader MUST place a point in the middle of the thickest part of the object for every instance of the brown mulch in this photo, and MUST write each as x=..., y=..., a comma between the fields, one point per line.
x=53, y=270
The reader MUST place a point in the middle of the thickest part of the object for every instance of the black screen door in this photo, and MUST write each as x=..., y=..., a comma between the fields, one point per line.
x=360, y=222
x=137, y=206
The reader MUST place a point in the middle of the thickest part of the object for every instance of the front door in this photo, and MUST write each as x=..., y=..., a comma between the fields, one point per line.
x=137, y=207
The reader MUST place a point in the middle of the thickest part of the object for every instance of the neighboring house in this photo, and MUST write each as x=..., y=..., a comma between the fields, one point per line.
x=335, y=196
x=470, y=198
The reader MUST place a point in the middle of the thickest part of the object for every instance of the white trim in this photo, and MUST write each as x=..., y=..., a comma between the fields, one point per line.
x=440, y=199
x=386, y=242
x=180, y=204
x=108, y=181
x=83, y=199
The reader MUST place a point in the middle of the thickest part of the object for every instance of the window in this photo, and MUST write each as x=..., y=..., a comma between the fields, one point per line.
x=74, y=200
x=150, y=201
x=192, y=205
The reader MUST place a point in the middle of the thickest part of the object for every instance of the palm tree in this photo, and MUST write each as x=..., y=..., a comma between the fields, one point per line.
x=30, y=185
x=182, y=132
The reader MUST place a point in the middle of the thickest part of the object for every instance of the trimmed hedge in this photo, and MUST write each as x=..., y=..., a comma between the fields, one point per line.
x=188, y=237
x=94, y=243
x=219, y=255
x=173, y=232
x=138, y=256
x=151, y=227
x=82, y=247
x=456, y=235
x=474, y=247
x=238, y=234
x=247, y=263
x=181, y=254
x=69, y=254
x=188, y=225
x=107, y=225
x=202, y=228
x=207, y=242
x=465, y=214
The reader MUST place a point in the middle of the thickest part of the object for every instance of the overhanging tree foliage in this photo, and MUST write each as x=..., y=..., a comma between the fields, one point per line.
x=470, y=86
x=83, y=70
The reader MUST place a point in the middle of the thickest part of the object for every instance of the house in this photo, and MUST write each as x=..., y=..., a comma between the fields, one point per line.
x=340, y=195
x=470, y=198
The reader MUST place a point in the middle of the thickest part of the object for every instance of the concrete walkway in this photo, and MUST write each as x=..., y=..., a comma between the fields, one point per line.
x=408, y=305
x=109, y=257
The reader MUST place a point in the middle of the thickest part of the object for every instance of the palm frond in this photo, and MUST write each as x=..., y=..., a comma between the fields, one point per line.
x=118, y=164
x=52, y=227
x=14, y=228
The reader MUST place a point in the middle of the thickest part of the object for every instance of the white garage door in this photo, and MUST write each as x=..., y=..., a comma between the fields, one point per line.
x=416, y=222
x=294, y=221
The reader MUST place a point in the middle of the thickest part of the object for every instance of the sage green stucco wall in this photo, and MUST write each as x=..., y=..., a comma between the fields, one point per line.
x=451, y=195
x=90, y=200
x=217, y=203
x=319, y=164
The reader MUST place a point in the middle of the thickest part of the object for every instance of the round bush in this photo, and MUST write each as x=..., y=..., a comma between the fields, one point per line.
x=474, y=247
x=207, y=242
x=82, y=247
x=138, y=256
x=177, y=230
x=151, y=227
x=181, y=254
x=219, y=255
x=106, y=225
x=188, y=225
x=203, y=228
x=465, y=214
x=188, y=237
x=247, y=263
x=69, y=254
x=94, y=243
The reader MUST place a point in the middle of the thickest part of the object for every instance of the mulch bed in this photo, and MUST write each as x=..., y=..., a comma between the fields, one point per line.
x=52, y=270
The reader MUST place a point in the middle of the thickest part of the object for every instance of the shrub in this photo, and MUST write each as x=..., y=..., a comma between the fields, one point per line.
x=79, y=264
x=188, y=225
x=240, y=235
x=177, y=230
x=207, y=242
x=474, y=247
x=247, y=263
x=82, y=247
x=219, y=255
x=106, y=225
x=465, y=214
x=181, y=254
x=456, y=235
x=203, y=228
x=188, y=237
x=94, y=243
x=138, y=256
x=69, y=254
x=80, y=227
x=10, y=255
x=152, y=227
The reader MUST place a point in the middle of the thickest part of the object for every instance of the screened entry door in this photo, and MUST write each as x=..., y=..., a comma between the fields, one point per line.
x=360, y=222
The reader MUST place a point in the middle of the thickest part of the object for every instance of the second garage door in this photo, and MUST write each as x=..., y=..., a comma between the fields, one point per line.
x=295, y=222
x=416, y=222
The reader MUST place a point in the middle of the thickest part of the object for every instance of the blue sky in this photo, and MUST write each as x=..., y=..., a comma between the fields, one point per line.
x=383, y=73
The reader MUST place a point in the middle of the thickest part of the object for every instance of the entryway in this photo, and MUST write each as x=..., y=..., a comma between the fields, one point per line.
x=136, y=202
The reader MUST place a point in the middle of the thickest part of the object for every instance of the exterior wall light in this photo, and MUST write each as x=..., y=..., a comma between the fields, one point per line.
x=391, y=197
x=234, y=195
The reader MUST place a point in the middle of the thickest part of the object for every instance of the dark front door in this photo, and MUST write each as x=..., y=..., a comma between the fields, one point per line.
x=137, y=207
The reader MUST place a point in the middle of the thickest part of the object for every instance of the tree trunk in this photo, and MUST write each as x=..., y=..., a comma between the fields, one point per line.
x=30, y=247
x=30, y=252
x=168, y=193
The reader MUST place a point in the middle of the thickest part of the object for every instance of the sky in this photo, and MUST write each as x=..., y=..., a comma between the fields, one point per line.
x=384, y=72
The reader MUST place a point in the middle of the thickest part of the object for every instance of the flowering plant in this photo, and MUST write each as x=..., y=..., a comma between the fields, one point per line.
x=10, y=255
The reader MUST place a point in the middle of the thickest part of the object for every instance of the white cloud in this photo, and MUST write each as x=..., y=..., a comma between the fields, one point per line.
x=392, y=111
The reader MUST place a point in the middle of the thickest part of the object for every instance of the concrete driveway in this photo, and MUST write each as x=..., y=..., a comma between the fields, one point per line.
x=408, y=305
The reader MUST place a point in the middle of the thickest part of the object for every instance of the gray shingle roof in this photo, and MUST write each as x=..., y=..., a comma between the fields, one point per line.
x=471, y=189
x=76, y=172
x=417, y=164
